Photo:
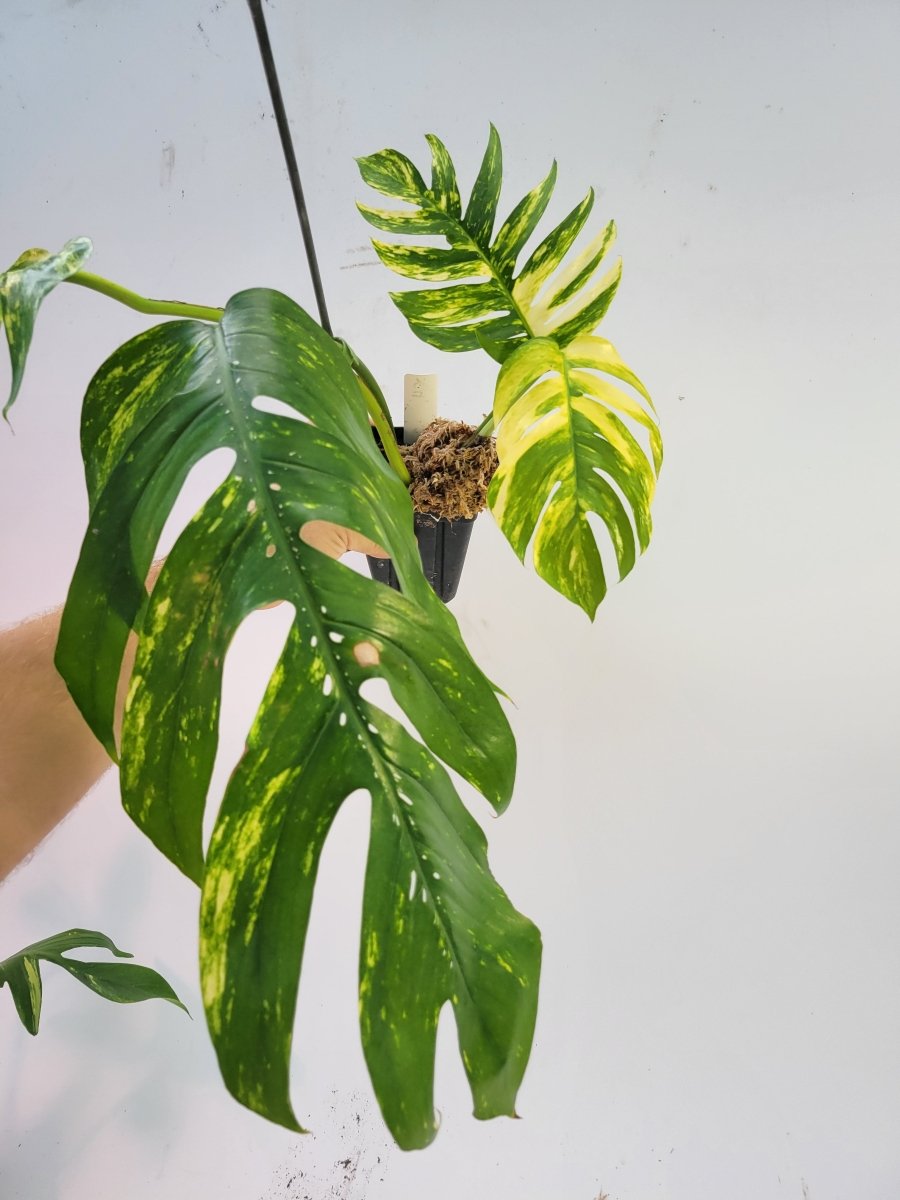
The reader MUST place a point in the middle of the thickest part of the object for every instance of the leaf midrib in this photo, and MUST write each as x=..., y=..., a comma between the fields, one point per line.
x=389, y=784
x=482, y=254
x=390, y=787
x=430, y=890
x=249, y=460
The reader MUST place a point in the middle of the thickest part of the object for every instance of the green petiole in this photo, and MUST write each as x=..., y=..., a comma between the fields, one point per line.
x=159, y=308
x=378, y=409
x=374, y=397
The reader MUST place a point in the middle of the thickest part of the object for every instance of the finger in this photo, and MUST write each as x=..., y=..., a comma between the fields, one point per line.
x=356, y=541
x=324, y=536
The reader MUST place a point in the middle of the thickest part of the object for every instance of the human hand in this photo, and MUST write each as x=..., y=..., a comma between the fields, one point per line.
x=336, y=540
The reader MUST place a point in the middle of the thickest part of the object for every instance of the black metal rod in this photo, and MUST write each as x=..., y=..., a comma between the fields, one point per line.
x=290, y=158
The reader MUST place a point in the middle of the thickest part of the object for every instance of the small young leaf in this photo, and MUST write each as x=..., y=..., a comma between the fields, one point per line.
x=23, y=287
x=124, y=983
x=571, y=303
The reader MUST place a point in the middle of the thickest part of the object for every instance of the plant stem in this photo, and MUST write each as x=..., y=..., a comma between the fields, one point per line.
x=384, y=427
x=378, y=408
x=485, y=429
x=363, y=373
x=141, y=304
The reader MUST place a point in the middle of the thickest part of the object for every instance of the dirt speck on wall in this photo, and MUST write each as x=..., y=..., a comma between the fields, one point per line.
x=166, y=164
x=348, y=1151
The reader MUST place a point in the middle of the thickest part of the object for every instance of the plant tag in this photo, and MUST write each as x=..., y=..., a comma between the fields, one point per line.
x=420, y=404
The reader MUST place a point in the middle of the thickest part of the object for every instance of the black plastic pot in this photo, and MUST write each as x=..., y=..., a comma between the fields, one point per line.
x=442, y=548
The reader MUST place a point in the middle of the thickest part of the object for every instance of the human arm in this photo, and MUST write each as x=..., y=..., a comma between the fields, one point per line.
x=49, y=759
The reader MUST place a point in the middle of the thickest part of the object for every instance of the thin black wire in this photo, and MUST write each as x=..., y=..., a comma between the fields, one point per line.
x=290, y=158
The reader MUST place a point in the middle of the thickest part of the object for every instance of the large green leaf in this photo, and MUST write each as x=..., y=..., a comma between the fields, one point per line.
x=561, y=447
x=125, y=983
x=23, y=287
x=436, y=926
x=487, y=303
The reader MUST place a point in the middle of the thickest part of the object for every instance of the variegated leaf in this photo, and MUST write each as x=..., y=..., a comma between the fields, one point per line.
x=481, y=211
x=443, y=177
x=487, y=304
x=124, y=983
x=23, y=287
x=561, y=447
x=160, y=403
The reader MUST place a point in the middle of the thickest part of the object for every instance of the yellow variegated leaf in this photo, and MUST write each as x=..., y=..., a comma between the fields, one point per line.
x=428, y=262
x=23, y=288
x=562, y=447
x=519, y=226
x=549, y=253
x=481, y=210
x=576, y=273
x=548, y=298
x=443, y=177
x=565, y=299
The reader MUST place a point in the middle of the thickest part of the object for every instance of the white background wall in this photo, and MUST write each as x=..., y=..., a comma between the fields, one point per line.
x=706, y=820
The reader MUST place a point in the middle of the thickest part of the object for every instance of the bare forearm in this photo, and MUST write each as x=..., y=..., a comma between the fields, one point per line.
x=48, y=756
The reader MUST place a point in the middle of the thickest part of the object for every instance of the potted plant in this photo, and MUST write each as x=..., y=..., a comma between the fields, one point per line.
x=561, y=441
x=436, y=926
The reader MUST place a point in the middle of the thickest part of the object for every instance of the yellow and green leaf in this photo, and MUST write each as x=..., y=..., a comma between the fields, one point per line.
x=565, y=453
x=23, y=288
x=482, y=266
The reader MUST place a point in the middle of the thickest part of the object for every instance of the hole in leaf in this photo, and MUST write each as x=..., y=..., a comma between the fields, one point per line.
x=202, y=480
x=278, y=408
x=250, y=661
